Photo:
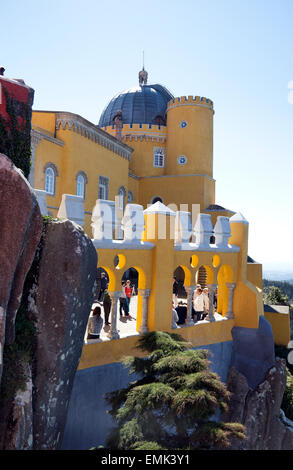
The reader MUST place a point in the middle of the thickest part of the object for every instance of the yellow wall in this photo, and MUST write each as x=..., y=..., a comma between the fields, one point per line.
x=248, y=302
x=45, y=120
x=254, y=274
x=48, y=152
x=143, y=140
x=79, y=153
x=280, y=323
x=133, y=185
x=178, y=190
x=106, y=352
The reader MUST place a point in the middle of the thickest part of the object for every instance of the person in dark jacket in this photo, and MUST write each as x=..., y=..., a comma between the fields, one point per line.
x=103, y=287
x=107, y=306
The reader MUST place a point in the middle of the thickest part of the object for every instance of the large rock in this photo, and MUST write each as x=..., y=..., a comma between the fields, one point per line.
x=19, y=432
x=259, y=410
x=253, y=351
x=61, y=300
x=20, y=233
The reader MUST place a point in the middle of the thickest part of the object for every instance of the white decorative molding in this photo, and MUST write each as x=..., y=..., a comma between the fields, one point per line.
x=103, y=220
x=183, y=227
x=238, y=219
x=41, y=196
x=132, y=222
x=222, y=231
x=203, y=231
x=71, y=208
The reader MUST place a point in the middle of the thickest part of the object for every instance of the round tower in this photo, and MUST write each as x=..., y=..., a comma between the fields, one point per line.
x=189, y=147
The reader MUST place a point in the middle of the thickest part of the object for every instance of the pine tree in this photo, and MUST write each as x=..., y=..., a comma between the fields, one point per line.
x=274, y=296
x=172, y=404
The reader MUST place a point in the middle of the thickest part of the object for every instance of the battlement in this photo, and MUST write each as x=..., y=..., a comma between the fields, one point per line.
x=190, y=100
x=134, y=128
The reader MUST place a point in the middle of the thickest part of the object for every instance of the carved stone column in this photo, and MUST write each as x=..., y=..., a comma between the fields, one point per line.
x=212, y=288
x=113, y=333
x=231, y=286
x=144, y=317
x=190, y=290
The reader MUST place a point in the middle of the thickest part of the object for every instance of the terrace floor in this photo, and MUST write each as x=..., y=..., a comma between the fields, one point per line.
x=127, y=326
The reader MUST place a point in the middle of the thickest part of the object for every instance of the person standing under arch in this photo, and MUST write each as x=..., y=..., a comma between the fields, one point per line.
x=129, y=291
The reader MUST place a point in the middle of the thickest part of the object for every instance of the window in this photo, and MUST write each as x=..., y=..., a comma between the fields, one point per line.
x=121, y=196
x=103, y=192
x=130, y=197
x=80, y=186
x=81, y=181
x=50, y=178
x=156, y=199
x=159, y=157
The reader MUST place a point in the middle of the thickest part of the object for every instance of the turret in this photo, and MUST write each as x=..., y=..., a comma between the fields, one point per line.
x=189, y=136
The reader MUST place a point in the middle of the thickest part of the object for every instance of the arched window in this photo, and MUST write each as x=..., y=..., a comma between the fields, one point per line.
x=49, y=181
x=121, y=198
x=130, y=197
x=156, y=199
x=81, y=181
x=51, y=173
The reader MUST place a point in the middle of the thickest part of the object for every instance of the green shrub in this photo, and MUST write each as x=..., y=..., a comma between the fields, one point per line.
x=173, y=404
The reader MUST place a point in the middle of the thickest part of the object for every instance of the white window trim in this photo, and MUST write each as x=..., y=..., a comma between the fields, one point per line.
x=50, y=186
x=82, y=175
x=159, y=154
x=104, y=186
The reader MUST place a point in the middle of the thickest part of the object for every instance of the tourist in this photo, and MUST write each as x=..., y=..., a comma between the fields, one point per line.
x=107, y=306
x=199, y=304
x=103, y=287
x=95, y=324
x=206, y=303
x=175, y=317
x=216, y=299
x=129, y=291
x=123, y=302
x=175, y=291
x=181, y=310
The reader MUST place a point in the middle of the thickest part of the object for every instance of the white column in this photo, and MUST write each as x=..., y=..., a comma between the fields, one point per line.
x=190, y=290
x=113, y=333
x=212, y=288
x=231, y=287
x=144, y=318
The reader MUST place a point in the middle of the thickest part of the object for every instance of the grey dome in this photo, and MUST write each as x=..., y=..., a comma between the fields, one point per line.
x=144, y=104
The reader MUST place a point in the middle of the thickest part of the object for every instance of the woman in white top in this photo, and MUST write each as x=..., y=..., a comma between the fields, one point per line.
x=199, y=304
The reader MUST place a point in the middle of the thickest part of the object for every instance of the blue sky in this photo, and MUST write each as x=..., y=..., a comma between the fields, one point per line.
x=77, y=56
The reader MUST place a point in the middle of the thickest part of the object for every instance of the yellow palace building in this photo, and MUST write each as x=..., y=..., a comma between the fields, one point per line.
x=150, y=147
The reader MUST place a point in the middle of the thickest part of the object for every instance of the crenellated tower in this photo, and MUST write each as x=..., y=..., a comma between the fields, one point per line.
x=189, y=148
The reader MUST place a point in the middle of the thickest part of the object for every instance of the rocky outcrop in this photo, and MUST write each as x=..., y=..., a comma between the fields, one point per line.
x=21, y=228
x=19, y=432
x=259, y=410
x=253, y=351
x=55, y=297
x=60, y=299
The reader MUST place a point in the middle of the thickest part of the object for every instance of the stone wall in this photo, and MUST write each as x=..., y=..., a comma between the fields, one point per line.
x=87, y=420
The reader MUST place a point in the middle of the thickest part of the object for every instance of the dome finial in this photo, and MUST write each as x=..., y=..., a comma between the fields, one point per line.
x=143, y=75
